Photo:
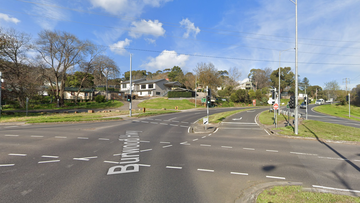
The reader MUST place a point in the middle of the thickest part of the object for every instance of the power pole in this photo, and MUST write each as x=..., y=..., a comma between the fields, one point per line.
x=195, y=89
x=130, y=107
x=346, y=81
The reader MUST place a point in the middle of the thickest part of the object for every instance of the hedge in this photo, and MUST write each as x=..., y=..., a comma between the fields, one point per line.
x=173, y=94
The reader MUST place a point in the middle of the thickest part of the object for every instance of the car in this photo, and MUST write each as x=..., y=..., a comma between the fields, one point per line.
x=303, y=105
x=320, y=102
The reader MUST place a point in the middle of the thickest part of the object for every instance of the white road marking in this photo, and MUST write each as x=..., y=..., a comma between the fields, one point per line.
x=250, y=111
x=240, y=123
x=226, y=147
x=338, y=189
x=205, y=170
x=49, y=156
x=60, y=137
x=104, y=139
x=174, y=167
x=203, y=137
x=158, y=119
x=83, y=138
x=81, y=159
x=144, y=141
x=144, y=121
x=36, y=136
x=11, y=126
x=149, y=119
x=272, y=150
x=184, y=143
x=11, y=135
x=171, y=118
x=275, y=177
x=189, y=129
x=237, y=119
x=117, y=154
x=196, y=113
x=173, y=125
x=154, y=122
x=146, y=165
x=183, y=126
x=216, y=130
x=241, y=128
x=176, y=121
x=145, y=150
x=321, y=157
x=12, y=154
x=166, y=146
x=111, y=162
x=165, y=142
x=209, y=134
x=136, y=121
x=300, y=153
x=195, y=140
x=356, y=160
x=184, y=122
x=205, y=145
x=4, y=165
x=237, y=173
x=249, y=148
x=267, y=132
x=51, y=161
x=163, y=124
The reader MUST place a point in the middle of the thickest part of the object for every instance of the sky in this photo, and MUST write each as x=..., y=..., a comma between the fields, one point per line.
x=245, y=34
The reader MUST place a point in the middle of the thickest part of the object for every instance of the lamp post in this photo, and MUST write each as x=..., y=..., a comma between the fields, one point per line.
x=279, y=74
x=296, y=70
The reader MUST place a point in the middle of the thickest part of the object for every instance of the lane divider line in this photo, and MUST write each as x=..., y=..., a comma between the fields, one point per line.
x=226, y=147
x=174, y=167
x=13, y=154
x=195, y=140
x=237, y=173
x=104, y=139
x=111, y=162
x=11, y=135
x=49, y=156
x=272, y=150
x=275, y=177
x=60, y=137
x=144, y=141
x=249, y=148
x=44, y=162
x=145, y=150
x=145, y=165
x=83, y=138
x=338, y=189
x=205, y=145
x=166, y=146
x=36, y=136
x=5, y=165
x=165, y=142
x=205, y=170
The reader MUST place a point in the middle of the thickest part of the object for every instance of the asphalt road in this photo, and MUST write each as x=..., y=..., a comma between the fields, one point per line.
x=155, y=159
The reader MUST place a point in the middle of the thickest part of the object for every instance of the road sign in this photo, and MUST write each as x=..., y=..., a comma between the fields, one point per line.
x=205, y=120
x=203, y=100
x=276, y=106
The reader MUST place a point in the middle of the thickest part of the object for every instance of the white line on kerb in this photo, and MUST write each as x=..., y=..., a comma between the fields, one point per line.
x=249, y=148
x=12, y=135
x=12, y=154
x=111, y=162
x=166, y=146
x=60, y=137
x=174, y=167
x=226, y=147
x=338, y=189
x=237, y=173
x=145, y=150
x=272, y=150
x=205, y=170
x=3, y=165
x=104, y=139
x=48, y=156
x=275, y=177
x=36, y=136
x=52, y=161
x=205, y=145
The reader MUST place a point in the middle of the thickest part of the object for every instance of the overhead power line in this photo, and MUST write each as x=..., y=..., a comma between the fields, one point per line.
x=176, y=25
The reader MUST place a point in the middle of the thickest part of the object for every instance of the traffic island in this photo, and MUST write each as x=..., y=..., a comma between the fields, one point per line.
x=200, y=128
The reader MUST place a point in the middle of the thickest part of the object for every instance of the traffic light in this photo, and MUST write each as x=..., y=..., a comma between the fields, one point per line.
x=305, y=100
x=208, y=101
x=128, y=98
x=273, y=94
x=292, y=102
x=347, y=98
x=209, y=92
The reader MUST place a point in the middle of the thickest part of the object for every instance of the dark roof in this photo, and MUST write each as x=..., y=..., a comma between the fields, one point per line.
x=75, y=89
x=133, y=81
x=151, y=81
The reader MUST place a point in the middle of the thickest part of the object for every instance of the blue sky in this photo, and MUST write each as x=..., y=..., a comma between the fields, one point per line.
x=230, y=33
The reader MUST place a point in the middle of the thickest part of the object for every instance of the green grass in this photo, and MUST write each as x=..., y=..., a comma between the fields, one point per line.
x=295, y=194
x=323, y=130
x=267, y=118
x=218, y=117
x=340, y=111
x=160, y=103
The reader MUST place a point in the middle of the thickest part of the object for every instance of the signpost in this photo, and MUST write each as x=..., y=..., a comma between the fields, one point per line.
x=276, y=106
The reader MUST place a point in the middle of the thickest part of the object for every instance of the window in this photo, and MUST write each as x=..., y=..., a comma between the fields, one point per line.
x=123, y=85
x=157, y=93
x=72, y=93
x=143, y=86
x=151, y=86
x=140, y=93
x=149, y=92
x=86, y=94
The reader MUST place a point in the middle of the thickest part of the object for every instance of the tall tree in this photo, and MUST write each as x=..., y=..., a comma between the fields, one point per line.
x=207, y=75
x=260, y=77
x=286, y=78
x=331, y=88
x=135, y=74
x=176, y=74
x=304, y=83
x=60, y=51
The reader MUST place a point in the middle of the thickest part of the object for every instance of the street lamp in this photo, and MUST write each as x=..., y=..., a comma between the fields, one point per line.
x=296, y=70
x=279, y=74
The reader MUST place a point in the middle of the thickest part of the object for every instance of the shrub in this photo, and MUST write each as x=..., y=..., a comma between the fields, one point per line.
x=173, y=94
x=100, y=98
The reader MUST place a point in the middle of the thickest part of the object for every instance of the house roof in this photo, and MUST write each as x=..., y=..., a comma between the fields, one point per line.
x=133, y=81
x=173, y=84
x=151, y=81
x=75, y=89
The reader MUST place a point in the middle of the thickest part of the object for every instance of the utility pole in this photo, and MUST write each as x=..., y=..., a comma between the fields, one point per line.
x=195, y=89
x=349, y=104
x=346, y=81
x=0, y=94
x=296, y=70
x=306, y=107
x=130, y=107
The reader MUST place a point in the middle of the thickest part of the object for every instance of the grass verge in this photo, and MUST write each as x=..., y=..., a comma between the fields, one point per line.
x=294, y=194
x=267, y=118
x=218, y=117
x=160, y=103
x=340, y=111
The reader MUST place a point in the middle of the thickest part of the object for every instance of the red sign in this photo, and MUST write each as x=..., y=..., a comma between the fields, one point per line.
x=276, y=106
x=254, y=102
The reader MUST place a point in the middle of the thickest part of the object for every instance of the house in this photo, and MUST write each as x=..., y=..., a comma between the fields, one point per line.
x=246, y=84
x=85, y=93
x=143, y=87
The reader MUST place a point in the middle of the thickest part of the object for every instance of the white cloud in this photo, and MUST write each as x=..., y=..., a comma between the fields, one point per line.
x=144, y=27
x=119, y=47
x=7, y=18
x=155, y=3
x=167, y=59
x=111, y=6
x=190, y=27
x=151, y=41
x=51, y=14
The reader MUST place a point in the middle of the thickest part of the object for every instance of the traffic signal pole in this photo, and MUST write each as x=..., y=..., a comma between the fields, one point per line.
x=130, y=104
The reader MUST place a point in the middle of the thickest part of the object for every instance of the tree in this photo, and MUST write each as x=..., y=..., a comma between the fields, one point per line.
x=176, y=74
x=234, y=76
x=312, y=90
x=80, y=79
x=286, y=78
x=20, y=75
x=135, y=74
x=207, y=75
x=331, y=88
x=355, y=96
x=189, y=80
x=305, y=83
x=60, y=51
x=261, y=77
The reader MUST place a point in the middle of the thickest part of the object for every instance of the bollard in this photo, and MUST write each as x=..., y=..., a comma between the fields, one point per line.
x=144, y=109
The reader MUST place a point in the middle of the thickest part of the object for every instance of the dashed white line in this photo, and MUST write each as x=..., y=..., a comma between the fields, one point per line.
x=216, y=130
x=145, y=165
x=81, y=159
x=11, y=135
x=300, y=153
x=226, y=147
x=166, y=146
x=184, y=122
x=195, y=140
x=60, y=137
x=165, y=142
x=176, y=121
x=205, y=145
x=83, y=138
x=149, y=119
x=49, y=156
x=36, y=136
x=145, y=150
x=5, y=165
x=209, y=134
x=184, y=143
x=275, y=177
x=154, y=122
x=51, y=161
x=174, y=167
x=338, y=189
x=183, y=126
x=173, y=125
x=272, y=150
x=171, y=118
x=237, y=173
x=144, y=121
x=111, y=162
x=164, y=124
x=203, y=137
x=158, y=119
x=249, y=148
x=13, y=154
x=11, y=127
x=205, y=170
x=104, y=139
